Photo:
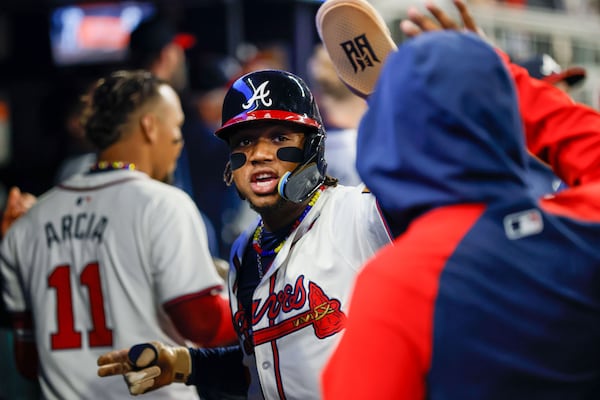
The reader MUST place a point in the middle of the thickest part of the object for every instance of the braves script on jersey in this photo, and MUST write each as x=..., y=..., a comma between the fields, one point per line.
x=90, y=261
x=299, y=306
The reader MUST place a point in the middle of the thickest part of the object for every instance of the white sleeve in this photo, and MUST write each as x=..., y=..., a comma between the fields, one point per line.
x=360, y=229
x=181, y=260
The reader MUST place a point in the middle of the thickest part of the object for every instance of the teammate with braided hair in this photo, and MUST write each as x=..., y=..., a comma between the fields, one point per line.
x=113, y=256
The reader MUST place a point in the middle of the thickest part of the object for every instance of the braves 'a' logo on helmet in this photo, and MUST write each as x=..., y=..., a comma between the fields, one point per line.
x=260, y=94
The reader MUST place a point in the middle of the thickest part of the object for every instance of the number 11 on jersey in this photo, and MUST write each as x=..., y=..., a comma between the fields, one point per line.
x=66, y=336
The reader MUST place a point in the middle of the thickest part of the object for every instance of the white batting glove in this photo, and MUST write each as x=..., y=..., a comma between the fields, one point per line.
x=147, y=366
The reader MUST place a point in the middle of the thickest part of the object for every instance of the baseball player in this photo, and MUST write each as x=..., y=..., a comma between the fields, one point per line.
x=498, y=290
x=113, y=256
x=292, y=269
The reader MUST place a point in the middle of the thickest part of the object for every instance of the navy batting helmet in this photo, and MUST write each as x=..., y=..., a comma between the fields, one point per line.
x=280, y=96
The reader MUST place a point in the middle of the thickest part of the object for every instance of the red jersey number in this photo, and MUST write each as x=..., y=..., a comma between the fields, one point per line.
x=67, y=337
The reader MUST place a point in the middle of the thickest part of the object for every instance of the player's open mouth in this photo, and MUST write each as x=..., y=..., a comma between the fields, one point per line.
x=264, y=183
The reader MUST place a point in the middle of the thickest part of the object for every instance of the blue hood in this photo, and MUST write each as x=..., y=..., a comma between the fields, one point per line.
x=443, y=127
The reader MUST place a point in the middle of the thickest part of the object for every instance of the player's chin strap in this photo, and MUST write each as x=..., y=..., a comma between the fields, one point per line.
x=298, y=185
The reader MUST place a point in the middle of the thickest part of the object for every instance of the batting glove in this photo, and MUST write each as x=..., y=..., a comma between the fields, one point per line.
x=147, y=366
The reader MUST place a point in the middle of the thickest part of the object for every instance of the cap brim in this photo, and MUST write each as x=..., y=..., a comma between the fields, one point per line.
x=572, y=76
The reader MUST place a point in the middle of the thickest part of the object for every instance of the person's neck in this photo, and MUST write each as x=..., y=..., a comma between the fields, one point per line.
x=290, y=213
x=117, y=155
x=274, y=220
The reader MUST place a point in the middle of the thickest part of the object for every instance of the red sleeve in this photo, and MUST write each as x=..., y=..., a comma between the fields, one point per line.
x=377, y=357
x=385, y=351
x=561, y=132
x=26, y=355
x=204, y=319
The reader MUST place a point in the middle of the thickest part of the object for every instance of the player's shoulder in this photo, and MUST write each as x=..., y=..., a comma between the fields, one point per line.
x=153, y=188
x=44, y=203
x=152, y=192
x=342, y=193
x=24, y=225
x=136, y=186
x=348, y=203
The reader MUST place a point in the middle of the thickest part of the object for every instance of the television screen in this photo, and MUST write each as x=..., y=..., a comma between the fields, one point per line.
x=95, y=33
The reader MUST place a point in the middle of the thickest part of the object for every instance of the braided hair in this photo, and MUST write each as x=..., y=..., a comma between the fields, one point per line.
x=111, y=102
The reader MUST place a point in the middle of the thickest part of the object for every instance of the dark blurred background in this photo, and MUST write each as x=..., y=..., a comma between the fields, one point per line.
x=37, y=84
x=51, y=49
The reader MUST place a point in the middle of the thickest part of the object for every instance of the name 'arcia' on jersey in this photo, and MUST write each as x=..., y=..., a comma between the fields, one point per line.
x=79, y=226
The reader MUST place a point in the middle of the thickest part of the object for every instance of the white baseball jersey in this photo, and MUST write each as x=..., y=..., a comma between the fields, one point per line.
x=300, y=304
x=94, y=260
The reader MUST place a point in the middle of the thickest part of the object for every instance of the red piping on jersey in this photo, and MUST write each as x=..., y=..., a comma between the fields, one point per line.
x=274, y=349
x=276, y=367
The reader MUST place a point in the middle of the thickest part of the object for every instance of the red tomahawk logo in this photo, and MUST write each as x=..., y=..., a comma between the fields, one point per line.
x=324, y=315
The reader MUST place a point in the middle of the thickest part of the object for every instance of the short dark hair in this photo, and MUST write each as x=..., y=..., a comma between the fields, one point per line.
x=111, y=102
x=147, y=41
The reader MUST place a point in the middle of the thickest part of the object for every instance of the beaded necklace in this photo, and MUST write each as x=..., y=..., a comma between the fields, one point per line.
x=111, y=165
x=258, y=234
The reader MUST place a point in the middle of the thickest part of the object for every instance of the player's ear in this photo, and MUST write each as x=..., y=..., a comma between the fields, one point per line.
x=148, y=127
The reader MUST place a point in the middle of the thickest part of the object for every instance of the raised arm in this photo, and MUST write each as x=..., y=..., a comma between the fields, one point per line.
x=563, y=133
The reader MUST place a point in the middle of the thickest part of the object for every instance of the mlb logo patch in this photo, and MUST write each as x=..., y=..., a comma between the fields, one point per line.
x=81, y=200
x=524, y=223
